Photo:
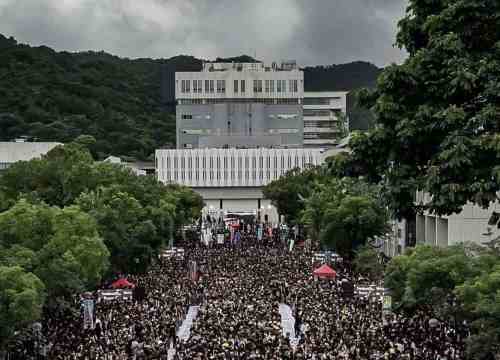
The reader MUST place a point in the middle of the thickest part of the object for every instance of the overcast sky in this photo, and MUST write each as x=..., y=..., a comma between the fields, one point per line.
x=310, y=31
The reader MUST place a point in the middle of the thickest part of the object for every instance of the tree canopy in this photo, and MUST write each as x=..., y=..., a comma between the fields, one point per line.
x=66, y=218
x=289, y=191
x=436, y=115
x=61, y=246
x=344, y=213
x=21, y=299
x=455, y=283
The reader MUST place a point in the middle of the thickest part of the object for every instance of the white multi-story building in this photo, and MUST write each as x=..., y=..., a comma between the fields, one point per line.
x=240, y=105
x=325, y=120
x=12, y=152
x=231, y=180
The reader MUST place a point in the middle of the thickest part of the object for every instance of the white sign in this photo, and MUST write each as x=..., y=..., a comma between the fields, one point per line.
x=88, y=314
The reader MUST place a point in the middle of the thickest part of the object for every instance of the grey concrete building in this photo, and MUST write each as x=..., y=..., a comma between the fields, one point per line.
x=240, y=105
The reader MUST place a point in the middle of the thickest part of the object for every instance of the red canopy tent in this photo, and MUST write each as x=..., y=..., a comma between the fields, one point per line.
x=122, y=283
x=325, y=272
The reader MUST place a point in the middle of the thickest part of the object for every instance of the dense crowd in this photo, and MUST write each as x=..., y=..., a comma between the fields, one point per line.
x=128, y=329
x=239, y=292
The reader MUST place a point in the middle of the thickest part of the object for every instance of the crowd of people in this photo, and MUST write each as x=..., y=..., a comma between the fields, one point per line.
x=128, y=329
x=239, y=291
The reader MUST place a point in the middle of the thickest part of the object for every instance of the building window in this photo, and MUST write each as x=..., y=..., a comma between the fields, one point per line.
x=187, y=117
x=212, y=86
x=267, y=86
x=236, y=86
x=293, y=86
x=310, y=112
x=221, y=86
x=183, y=86
x=207, y=86
x=242, y=87
x=188, y=86
x=257, y=86
x=200, y=86
x=318, y=101
x=271, y=86
x=278, y=86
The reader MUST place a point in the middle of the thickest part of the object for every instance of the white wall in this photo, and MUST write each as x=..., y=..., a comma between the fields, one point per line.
x=470, y=225
x=231, y=167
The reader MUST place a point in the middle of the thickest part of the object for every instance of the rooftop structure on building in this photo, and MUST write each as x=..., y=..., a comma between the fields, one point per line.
x=21, y=150
x=246, y=105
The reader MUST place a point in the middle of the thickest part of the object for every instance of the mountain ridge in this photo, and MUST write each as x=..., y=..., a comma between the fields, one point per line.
x=127, y=104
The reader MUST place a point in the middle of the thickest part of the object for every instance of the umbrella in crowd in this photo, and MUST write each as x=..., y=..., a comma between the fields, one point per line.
x=122, y=284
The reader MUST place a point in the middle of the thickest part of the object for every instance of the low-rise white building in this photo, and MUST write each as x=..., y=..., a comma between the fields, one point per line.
x=12, y=152
x=231, y=180
x=470, y=225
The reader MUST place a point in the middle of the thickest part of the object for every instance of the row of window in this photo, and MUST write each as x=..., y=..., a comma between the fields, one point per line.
x=320, y=136
x=319, y=101
x=195, y=169
x=321, y=124
x=198, y=86
x=324, y=112
x=267, y=101
x=239, y=86
x=242, y=162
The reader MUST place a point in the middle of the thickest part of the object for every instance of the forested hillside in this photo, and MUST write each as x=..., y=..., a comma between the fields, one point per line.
x=343, y=77
x=127, y=105
x=52, y=95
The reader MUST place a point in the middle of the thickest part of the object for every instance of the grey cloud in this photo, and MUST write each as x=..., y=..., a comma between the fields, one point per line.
x=311, y=31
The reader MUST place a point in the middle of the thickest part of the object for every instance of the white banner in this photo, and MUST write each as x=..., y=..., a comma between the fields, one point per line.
x=88, y=314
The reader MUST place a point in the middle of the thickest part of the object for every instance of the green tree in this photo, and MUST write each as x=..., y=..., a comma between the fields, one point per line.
x=289, y=191
x=436, y=115
x=76, y=257
x=344, y=213
x=22, y=296
x=425, y=277
x=367, y=263
x=480, y=297
x=61, y=246
x=123, y=223
x=352, y=222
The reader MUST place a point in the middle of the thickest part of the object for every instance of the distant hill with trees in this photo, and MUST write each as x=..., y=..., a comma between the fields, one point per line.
x=127, y=105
